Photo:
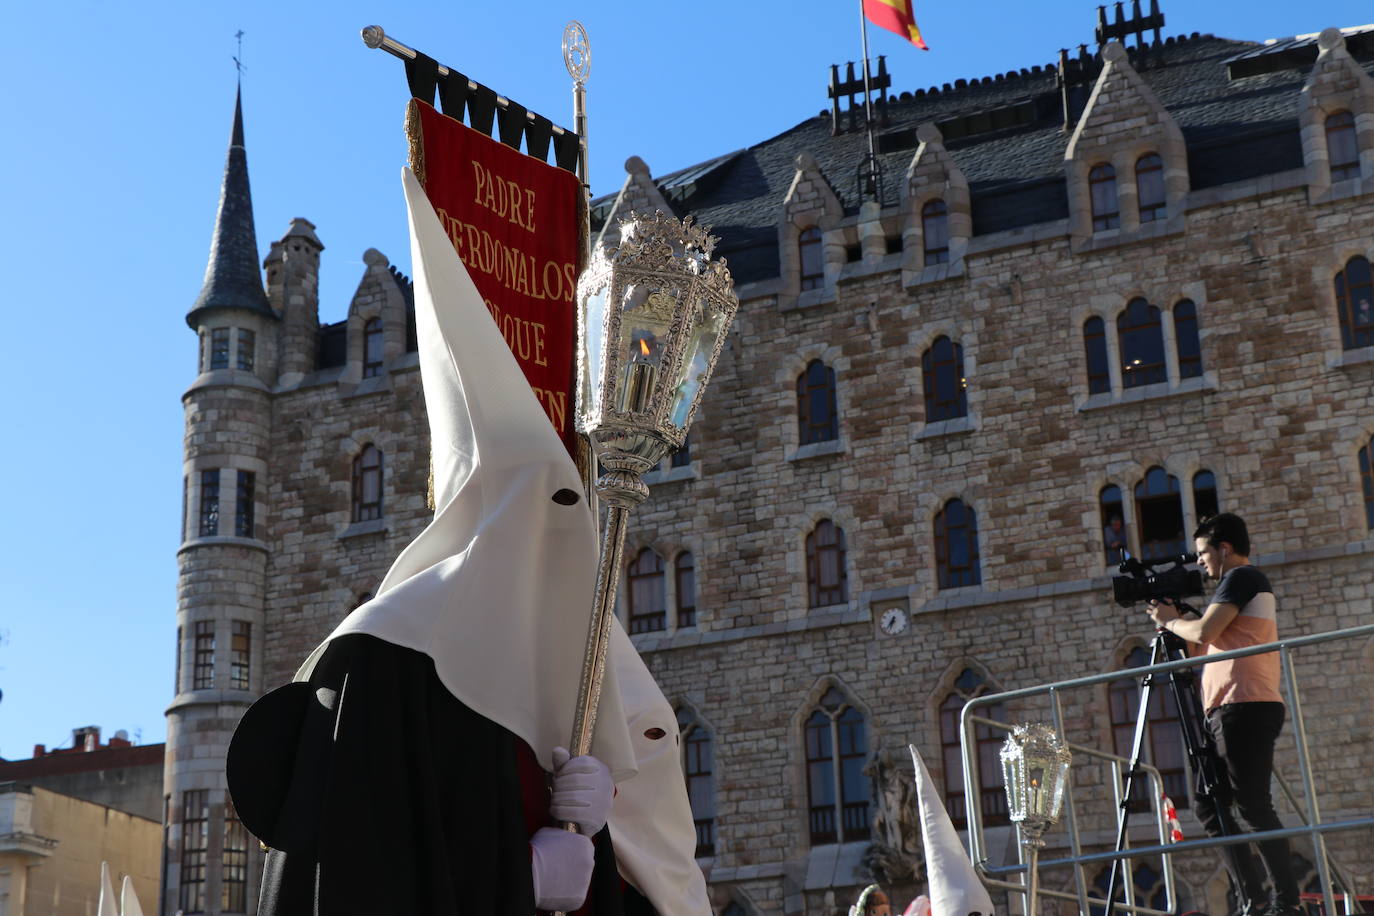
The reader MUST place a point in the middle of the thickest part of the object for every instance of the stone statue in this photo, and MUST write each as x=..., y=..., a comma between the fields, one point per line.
x=895, y=855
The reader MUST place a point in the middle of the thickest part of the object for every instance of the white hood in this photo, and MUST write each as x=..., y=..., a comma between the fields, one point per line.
x=955, y=889
x=498, y=589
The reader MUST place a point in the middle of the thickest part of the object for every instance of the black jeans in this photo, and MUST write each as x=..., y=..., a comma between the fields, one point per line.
x=1244, y=735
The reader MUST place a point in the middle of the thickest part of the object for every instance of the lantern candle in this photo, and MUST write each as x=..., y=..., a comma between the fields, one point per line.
x=640, y=374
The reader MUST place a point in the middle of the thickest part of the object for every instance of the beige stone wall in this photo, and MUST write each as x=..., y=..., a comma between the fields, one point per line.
x=322, y=563
x=67, y=882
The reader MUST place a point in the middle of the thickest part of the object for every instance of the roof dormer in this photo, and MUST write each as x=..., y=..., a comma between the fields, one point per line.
x=1126, y=164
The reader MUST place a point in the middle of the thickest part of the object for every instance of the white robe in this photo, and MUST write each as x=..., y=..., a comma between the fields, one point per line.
x=497, y=590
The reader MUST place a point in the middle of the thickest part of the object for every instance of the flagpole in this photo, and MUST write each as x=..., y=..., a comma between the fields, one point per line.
x=868, y=107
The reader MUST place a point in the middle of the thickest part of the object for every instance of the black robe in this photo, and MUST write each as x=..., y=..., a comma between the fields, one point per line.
x=378, y=792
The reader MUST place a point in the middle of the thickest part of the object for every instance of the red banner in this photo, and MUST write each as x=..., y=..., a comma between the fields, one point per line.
x=514, y=221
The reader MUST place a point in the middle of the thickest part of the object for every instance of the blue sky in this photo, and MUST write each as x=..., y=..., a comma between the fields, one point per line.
x=115, y=124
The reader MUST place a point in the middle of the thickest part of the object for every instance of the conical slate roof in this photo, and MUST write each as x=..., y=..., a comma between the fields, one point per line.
x=232, y=278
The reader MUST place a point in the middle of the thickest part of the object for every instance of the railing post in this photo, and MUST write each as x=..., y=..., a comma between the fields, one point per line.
x=973, y=816
x=1309, y=785
x=1071, y=819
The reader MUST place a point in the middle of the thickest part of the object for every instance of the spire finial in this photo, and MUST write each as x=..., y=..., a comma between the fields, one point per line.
x=238, y=58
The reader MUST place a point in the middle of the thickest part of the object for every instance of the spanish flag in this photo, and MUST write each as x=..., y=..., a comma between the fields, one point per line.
x=895, y=16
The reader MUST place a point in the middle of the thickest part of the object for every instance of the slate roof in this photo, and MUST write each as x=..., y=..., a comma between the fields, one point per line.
x=232, y=276
x=1235, y=129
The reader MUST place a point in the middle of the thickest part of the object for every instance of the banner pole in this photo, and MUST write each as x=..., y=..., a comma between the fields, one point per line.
x=375, y=37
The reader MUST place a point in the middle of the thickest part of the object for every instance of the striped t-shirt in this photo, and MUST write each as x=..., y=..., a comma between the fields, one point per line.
x=1254, y=678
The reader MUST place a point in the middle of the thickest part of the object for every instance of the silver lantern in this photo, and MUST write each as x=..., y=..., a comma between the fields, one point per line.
x=1035, y=769
x=652, y=315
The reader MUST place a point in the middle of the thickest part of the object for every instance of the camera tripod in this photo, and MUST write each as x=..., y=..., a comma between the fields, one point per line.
x=1196, y=741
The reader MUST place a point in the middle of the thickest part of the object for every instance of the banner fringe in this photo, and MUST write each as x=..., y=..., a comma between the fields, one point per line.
x=415, y=136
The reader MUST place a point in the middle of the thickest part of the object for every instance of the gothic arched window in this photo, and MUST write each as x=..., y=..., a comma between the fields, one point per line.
x=367, y=484
x=988, y=747
x=826, y=580
x=946, y=388
x=1164, y=745
x=1095, y=348
x=645, y=588
x=1205, y=503
x=1355, y=304
x=1141, y=339
x=1102, y=190
x=685, y=573
x=1159, y=512
x=1342, y=146
x=935, y=232
x=1186, y=339
x=956, y=545
x=1115, y=538
x=811, y=255
x=372, y=347
x=837, y=791
x=698, y=766
x=817, y=417
x=1149, y=185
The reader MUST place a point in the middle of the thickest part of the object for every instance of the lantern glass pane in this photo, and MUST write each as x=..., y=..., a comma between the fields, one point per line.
x=594, y=321
x=644, y=323
x=696, y=363
x=1016, y=807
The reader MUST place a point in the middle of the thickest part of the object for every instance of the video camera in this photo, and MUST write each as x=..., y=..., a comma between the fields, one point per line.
x=1142, y=583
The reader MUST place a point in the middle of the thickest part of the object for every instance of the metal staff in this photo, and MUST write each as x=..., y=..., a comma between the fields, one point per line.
x=651, y=321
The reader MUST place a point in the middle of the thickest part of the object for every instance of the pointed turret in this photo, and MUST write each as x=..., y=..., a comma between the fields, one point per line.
x=232, y=279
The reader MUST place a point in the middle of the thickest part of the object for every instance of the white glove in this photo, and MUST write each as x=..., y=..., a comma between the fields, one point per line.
x=582, y=791
x=561, y=865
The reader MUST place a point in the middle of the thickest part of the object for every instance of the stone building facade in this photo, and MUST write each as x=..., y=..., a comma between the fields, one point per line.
x=1134, y=285
x=52, y=846
x=118, y=774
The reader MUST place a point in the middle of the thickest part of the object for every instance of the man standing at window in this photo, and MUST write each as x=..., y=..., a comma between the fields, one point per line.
x=1244, y=708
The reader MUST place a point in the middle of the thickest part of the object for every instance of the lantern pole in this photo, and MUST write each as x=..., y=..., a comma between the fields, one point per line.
x=1035, y=767
x=651, y=323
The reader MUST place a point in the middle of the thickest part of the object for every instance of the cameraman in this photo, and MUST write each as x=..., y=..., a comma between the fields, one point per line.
x=1244, y=708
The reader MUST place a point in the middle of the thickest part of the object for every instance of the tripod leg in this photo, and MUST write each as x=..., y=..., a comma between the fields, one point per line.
x=1206, y=764
x=1137, y=749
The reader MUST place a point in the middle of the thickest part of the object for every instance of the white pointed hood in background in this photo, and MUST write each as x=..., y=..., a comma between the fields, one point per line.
x=954, y=886
x=106, y=905
x=498, y=589
x=128, y=900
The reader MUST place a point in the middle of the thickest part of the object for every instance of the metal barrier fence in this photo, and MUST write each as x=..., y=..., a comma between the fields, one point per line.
x=1312, y=827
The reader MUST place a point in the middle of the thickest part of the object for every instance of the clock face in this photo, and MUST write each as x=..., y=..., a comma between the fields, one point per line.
x=893, y=621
